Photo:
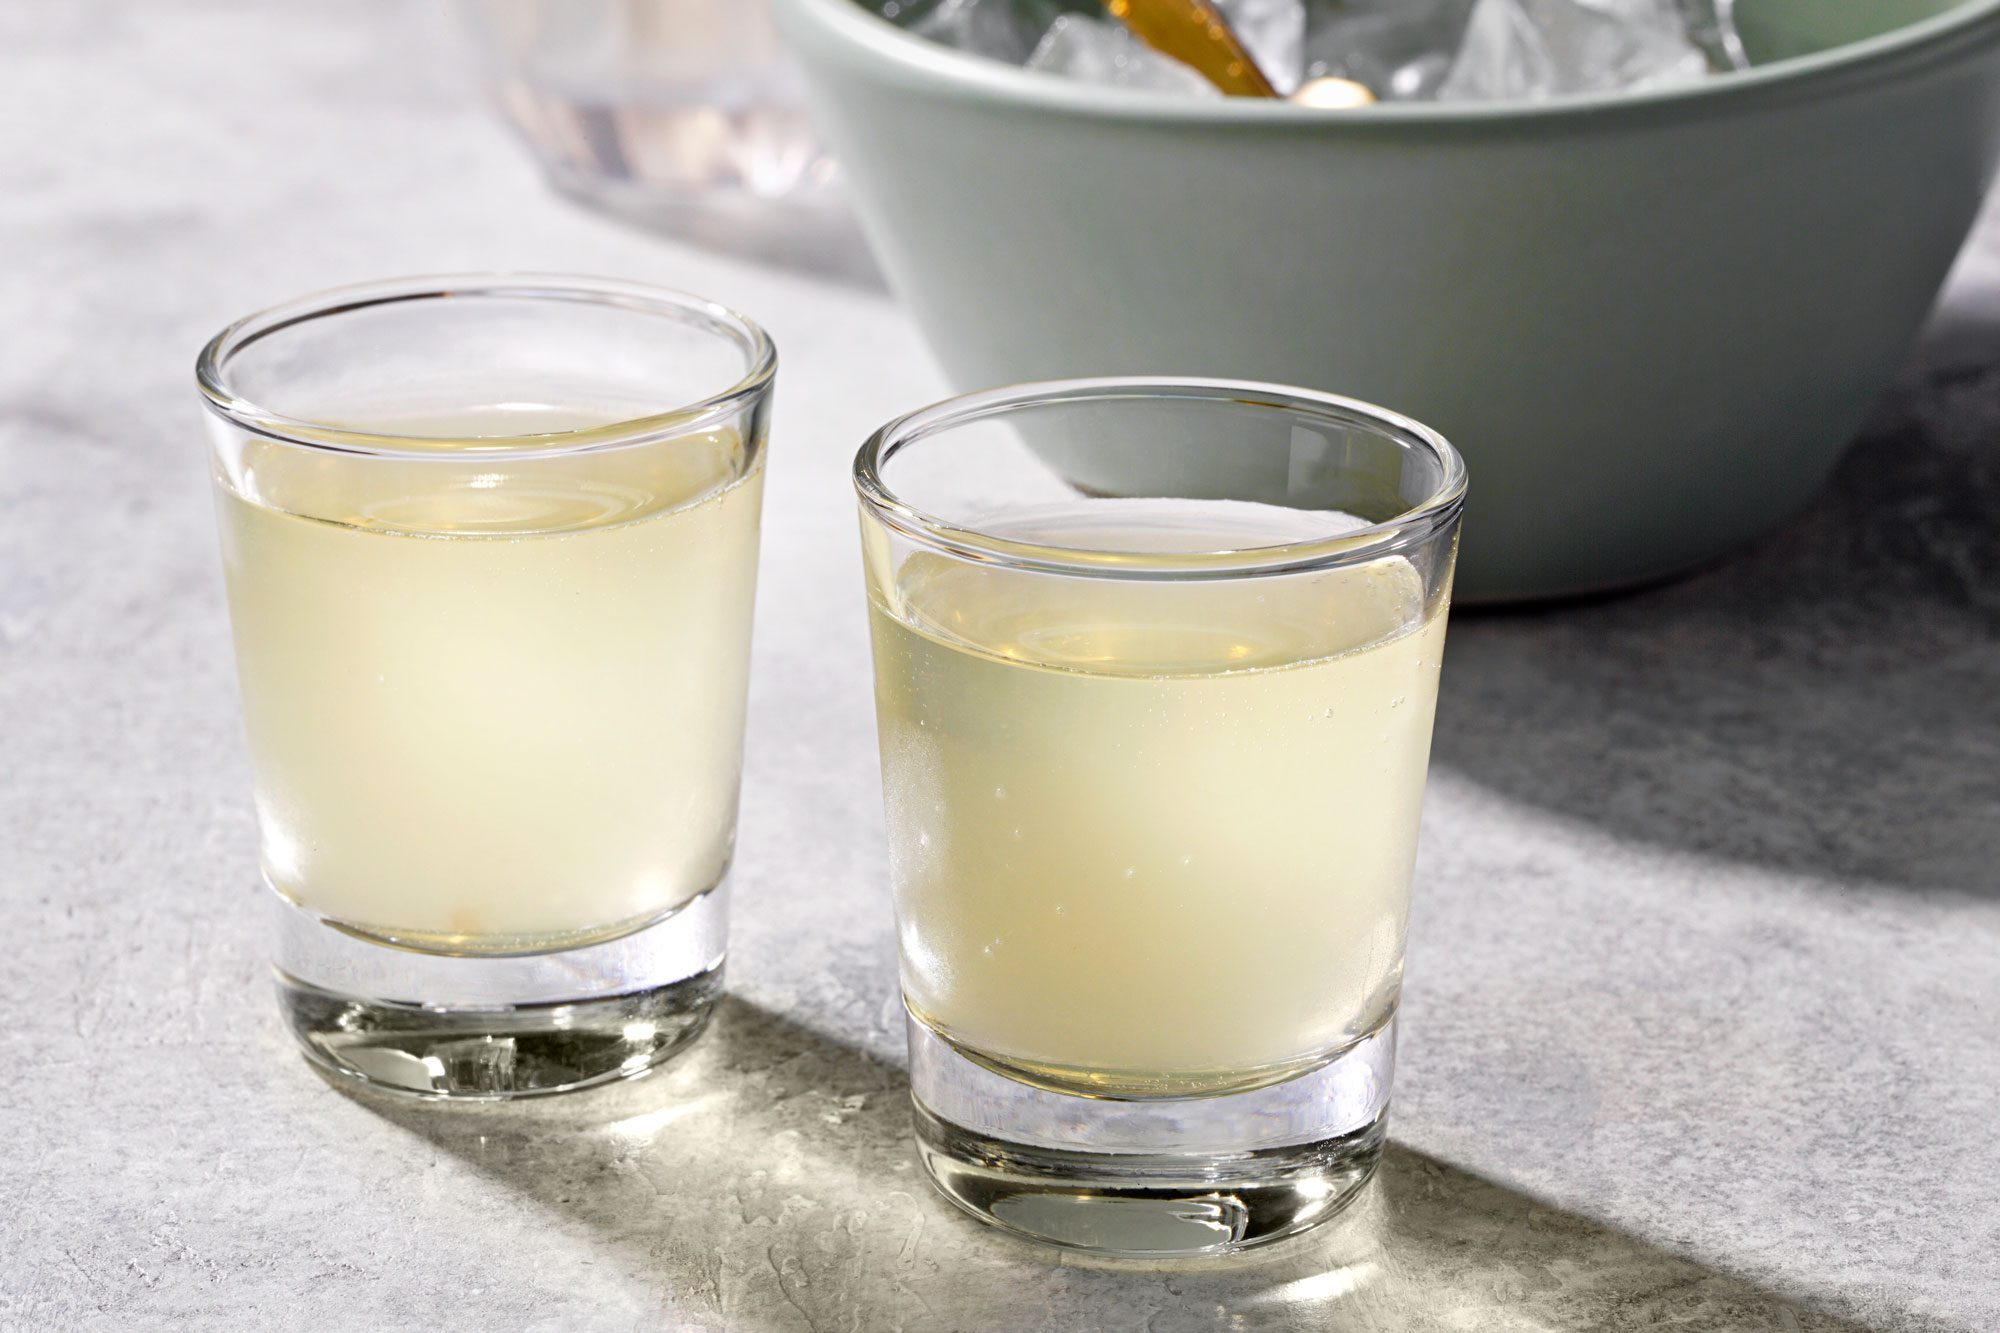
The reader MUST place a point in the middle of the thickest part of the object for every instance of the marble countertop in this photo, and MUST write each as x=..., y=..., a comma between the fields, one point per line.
x=1701, y=1026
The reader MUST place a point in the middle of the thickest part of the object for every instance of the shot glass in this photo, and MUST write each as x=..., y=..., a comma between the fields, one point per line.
x=491, y=548
x=1155, y=663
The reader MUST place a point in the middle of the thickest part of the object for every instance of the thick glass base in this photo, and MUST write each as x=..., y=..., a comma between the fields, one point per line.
x=488, y=1028
x=1152, y=1178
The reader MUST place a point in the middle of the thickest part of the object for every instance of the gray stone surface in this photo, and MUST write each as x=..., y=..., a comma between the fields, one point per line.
x=1701, y=1028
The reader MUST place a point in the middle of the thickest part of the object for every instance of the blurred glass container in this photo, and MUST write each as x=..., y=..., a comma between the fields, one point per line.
x=684, y=116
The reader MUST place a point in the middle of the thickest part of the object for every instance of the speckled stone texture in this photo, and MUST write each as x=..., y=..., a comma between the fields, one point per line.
x=1701, y=1027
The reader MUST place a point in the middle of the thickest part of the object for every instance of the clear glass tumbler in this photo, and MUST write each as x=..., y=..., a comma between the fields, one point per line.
x=491, y=548
x=682, y=115
x=1155, y=661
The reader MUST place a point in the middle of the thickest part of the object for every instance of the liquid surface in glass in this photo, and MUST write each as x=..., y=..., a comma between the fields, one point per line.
x=1153, y=837
x=493, y=703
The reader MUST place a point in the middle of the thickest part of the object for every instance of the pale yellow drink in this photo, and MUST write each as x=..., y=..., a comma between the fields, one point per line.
x=1153, y=837
x=492, y=702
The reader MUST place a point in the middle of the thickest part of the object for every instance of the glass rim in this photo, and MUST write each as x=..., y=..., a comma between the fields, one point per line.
x=1405, y=531
x=211, y=365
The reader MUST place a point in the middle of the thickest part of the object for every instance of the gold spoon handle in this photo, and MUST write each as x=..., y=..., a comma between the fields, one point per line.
x=1195, y=33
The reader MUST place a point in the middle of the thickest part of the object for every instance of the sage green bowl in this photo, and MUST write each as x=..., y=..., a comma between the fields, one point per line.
x=1649, y=322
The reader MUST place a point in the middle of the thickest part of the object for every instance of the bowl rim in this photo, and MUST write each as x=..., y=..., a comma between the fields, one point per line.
x=930, y=66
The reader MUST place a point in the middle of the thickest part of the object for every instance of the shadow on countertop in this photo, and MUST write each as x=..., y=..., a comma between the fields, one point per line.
x=1827, y=702
x=765, y=1179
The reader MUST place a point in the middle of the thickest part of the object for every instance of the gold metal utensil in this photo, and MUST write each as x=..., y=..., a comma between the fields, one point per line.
x=1195, y=33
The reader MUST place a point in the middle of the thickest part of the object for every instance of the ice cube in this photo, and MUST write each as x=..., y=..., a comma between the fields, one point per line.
x=1711, y=24
x=1099, y=52
x=1003, y=29
x=1399, y=49
x=1526, y=49
x=1273, y=32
